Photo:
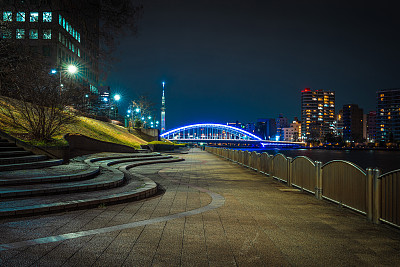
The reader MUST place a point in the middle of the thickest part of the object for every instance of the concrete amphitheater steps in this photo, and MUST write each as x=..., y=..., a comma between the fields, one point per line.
x=8, y=154
x=11, y=148
x=56, y=174
x=134, y=188
x=22, y=159
x=17, y=158
x=103, y=180
x=31, y=165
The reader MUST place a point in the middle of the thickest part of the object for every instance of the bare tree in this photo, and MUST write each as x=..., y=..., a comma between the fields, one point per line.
x=146, y=106
x=32, y=101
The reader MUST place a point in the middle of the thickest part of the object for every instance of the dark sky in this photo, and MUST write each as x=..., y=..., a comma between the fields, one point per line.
x=243, y=60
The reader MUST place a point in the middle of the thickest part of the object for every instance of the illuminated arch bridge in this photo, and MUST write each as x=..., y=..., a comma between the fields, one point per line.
x=219, y=134
x=209, y=131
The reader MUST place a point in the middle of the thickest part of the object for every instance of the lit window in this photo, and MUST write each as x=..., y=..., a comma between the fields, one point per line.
x=20, y=34
x=7, y=34
x=79, y=53
x=66, y=26
x=60, y=19
x=63, y=23
x=33, y=34
x=47, y=34
x=79, y=37
x=73, y=48
x=21, y=16
x=47, y=16
x=7, y=16
x=34, y=17
x=59, y=37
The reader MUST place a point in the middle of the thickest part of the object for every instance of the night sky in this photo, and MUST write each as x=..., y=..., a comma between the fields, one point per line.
x=243, y=60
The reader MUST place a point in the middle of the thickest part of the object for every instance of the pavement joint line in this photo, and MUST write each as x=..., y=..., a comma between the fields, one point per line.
x=216, y=202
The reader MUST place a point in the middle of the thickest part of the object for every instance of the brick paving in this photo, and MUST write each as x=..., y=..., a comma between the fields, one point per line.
x=259, y=224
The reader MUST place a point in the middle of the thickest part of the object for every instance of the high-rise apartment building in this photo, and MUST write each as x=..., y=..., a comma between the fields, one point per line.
x=371, y=126
x=352, y=123
x=388, y=115
x=65, y=32
x=317, y=113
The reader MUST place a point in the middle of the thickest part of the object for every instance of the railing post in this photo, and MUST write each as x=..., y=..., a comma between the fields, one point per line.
x=369, y=192
x=271, y=171
x=318, y=180
x=289, y=171
x=376, y=214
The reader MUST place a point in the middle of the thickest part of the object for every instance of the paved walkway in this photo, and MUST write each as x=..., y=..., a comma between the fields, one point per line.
x=213, y=213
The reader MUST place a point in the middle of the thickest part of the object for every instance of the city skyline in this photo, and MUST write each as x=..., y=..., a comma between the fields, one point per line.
x=231, y=60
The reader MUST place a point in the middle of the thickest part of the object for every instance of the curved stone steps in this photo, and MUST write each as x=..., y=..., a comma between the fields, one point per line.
x=7, y=144
x=14, y=148
x=22, y=159
x=31, y=165
x=134, y=189
x=99, y=157
x=104, y=180
x=112, y=162
x=7, y=154
x=15, y=178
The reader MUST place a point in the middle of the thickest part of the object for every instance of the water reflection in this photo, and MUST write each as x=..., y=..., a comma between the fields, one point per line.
x=384, y=160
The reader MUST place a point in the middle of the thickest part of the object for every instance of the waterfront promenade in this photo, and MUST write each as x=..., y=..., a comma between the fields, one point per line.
x=213, y=213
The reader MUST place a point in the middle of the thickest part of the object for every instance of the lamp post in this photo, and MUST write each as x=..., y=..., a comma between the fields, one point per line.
x=72, y=69
x=117, y=97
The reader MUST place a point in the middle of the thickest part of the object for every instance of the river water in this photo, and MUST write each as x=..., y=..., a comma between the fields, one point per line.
x=384, y=160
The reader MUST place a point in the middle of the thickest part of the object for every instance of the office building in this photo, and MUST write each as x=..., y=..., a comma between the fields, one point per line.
x=353, y=122
x=317, y=113
x=266, y=129
x=388, y=115
x=371, y=126
x=65, y=33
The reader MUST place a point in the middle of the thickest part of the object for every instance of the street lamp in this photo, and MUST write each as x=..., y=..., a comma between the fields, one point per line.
x=117, y=97
x=72, y=69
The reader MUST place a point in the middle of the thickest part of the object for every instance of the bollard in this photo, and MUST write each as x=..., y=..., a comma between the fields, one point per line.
x=369, y=193
x=376, y=214
x=318, y=180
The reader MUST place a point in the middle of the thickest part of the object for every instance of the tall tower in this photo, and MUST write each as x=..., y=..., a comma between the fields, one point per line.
x=163, y=109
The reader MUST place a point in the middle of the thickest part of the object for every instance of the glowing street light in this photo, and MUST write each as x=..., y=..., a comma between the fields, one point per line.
x=117, y=97
x=72, y=69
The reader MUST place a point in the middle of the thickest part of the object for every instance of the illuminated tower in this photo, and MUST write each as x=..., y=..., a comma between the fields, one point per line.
x=163, y=109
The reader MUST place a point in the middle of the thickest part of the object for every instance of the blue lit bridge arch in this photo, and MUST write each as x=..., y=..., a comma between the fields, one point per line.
x=209, y=131
x=222, y=135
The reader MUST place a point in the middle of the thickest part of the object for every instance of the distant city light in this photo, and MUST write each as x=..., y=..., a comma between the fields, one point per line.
x=105, y=99
x=53, y=71
x=149, y=117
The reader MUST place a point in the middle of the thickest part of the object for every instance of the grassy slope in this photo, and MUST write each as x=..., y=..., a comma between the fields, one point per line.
x=103, y=131
x=93, y=128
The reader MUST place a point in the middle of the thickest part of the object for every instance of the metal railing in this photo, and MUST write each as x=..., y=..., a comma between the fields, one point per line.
x=365, y=191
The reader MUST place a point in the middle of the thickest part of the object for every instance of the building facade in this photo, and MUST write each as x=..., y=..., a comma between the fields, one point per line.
x=371, y=126
x=388, y=115
x=353, y=122
x=66, y=33
x=266, y=129
x=317, y=113
x=292, y=133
